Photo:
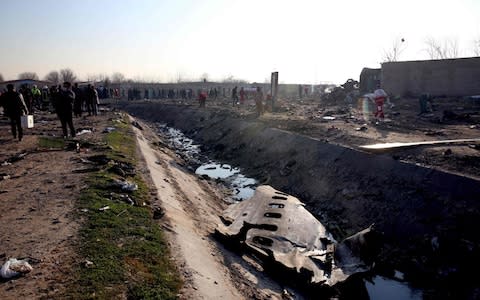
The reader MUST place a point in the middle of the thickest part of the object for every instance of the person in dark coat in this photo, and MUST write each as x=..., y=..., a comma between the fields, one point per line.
x=78, y=103
x=64, y=108
x=234, y=96
x=14, y=107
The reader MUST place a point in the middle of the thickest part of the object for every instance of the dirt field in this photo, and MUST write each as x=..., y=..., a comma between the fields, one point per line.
x=38, y=199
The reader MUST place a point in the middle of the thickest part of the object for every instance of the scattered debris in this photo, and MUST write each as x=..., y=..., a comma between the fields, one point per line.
x=109, y=129
x=158, y=212
x=88, y=264
x=123, y=169
x=99, y=159
x=123, y=198
x=84, y=131
x=104, y=208
x=13, y=268
x=14, y=158
x=136, y=124
x=328, y=118
x=87, y=170
x=125, y=185
x=362, y=128
x=277, y=228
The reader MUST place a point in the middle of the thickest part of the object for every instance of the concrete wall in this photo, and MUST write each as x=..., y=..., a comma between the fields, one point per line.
x=449, y=77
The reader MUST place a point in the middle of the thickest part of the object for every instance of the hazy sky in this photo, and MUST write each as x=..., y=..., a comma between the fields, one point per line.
x=306, y=41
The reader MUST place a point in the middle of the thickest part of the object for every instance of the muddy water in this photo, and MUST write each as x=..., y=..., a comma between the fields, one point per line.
x=243, y=188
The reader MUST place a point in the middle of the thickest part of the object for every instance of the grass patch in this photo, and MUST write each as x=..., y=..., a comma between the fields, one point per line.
x=128, y=250
x=51, y=142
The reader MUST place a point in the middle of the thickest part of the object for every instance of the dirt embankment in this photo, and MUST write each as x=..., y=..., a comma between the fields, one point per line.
x=429, y=217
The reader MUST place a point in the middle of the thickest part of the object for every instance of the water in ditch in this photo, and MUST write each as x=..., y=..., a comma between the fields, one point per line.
x=243, y=188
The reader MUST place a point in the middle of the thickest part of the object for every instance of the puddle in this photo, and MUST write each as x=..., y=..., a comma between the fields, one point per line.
x=242, y=187
x=385, y=288
x=217, y=171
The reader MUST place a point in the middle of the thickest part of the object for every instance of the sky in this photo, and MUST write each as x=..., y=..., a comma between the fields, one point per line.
x=306, y=41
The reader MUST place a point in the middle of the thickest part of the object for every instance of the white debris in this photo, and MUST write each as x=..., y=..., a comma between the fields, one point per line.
x=14, y=267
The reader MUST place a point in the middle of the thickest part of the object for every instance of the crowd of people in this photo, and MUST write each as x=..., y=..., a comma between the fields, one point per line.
x=66, y=100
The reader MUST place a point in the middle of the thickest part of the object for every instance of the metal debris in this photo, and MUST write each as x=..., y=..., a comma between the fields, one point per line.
x=277, y=227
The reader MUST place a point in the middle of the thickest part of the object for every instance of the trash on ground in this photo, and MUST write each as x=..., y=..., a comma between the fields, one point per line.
x=14, y=267
x=88, y=264
x=109, y=129
x=136, y=124
x=14, y=158
x=86, y=170
x=125, y=185
x=104, y=208
x=329, y=118
x=84, y=131
x=362, y=128
x=277, y=228
x=123, y=198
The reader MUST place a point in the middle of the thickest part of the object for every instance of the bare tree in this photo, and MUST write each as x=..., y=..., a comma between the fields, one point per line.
x=118, y=77
x=53, y=77
x=393, y=53
x=439, y=50
x=1, y=78
x=67, y=75
x=28, y=75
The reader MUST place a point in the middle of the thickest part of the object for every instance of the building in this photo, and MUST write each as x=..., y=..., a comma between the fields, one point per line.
x=446, y=77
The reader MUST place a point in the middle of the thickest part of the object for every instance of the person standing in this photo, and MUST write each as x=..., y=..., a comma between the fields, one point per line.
x=14, y=107
x=242, y=96
x=234, y=96
x=380, y=97
x=78, y=103
x=202, y=98
x=259, y=101
x=92, y=100
x=37, y=96
x=64, y=108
